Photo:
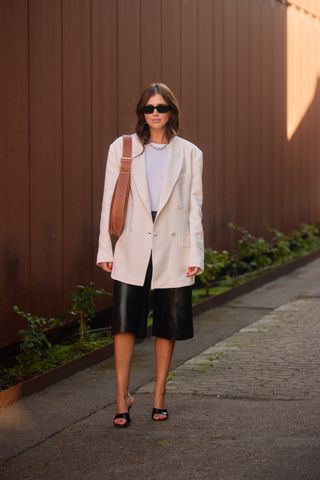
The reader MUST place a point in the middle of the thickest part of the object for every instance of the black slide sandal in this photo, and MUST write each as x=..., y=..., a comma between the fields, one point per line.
x=160, y=411
x=126, y=416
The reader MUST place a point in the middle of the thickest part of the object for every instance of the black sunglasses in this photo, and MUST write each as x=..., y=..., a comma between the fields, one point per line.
x=160, y=108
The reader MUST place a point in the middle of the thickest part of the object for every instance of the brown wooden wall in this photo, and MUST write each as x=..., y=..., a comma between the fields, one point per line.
x=71, y=73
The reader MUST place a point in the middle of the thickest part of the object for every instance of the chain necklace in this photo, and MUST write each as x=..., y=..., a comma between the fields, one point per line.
x=157, y=148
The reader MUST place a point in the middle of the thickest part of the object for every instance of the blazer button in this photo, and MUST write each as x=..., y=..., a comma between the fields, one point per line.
x=173, y=234
x=179, y=206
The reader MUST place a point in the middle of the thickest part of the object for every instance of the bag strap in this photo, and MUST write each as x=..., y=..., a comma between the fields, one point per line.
x=127, y=146
x=120, y=195
x=126, y=159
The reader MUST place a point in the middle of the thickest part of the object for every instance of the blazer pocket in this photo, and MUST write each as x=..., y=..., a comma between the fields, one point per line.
x=186, y=241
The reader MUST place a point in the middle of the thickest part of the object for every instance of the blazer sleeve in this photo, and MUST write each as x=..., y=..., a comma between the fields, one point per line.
x=105, y=251
x=196, y=256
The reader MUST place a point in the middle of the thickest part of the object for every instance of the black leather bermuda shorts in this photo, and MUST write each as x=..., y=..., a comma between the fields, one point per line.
x=172, y=309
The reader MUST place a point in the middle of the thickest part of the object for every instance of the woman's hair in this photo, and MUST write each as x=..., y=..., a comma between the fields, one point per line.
x=172, y=127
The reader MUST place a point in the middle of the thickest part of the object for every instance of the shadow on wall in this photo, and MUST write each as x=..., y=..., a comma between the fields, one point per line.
x=304, y=147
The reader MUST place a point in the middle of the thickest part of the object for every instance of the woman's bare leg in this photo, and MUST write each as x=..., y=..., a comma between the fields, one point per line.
x=163, y=353
x=123, y=351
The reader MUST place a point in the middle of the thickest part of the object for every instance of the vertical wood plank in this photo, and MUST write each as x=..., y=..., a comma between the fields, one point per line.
x=171, y=45
x=77, y=146
x=315, y=69
x=304, y=141
x=267, y=105
x=287, y=157
x=219, y=121
x=206, y=125
x=255, y=117
x=14, y=177
x=151, y=42
x=316, y=141
x=243, y=114
x=279, y=114
x=104, y=114
x=45, y=158
x=189, y=70
x=299, y=196
x=230, y=120
x=129, y=62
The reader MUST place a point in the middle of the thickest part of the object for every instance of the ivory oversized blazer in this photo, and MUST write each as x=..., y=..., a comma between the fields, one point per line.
x=176, y=236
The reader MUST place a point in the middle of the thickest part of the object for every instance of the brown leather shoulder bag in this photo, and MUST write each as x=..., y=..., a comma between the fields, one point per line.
x=121, y=191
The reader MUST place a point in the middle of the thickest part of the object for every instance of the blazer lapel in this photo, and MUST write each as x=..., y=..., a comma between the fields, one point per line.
x=173, y=169
x=139, y=172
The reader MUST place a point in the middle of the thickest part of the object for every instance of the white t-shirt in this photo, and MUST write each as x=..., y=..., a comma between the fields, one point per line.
x=156, y=164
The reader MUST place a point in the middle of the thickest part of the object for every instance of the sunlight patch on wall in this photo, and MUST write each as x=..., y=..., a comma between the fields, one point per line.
x=303, y=65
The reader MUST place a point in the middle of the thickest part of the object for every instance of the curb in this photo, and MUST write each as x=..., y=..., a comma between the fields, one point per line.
x=37, y=383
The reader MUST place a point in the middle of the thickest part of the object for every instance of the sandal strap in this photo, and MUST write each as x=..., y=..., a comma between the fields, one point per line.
x=123, y=415
x=160, y=411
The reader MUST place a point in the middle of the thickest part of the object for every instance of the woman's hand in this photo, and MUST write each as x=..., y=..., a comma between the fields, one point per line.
x=106, y=266
x=192, y=271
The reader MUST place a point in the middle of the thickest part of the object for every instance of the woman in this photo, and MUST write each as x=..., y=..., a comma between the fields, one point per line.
x=161, y=246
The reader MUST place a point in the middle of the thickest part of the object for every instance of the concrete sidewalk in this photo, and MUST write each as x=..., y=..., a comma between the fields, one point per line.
x=243, y=401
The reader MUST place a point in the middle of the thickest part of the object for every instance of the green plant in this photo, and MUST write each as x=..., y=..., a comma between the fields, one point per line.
x=296, y=242
x=83, y=305
x=35, y=342
x=57, y=355
x=310, y=236
x=37, y=354
x=251, y=252
x=7, y=378
x=280, y=246
x=214, y=263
